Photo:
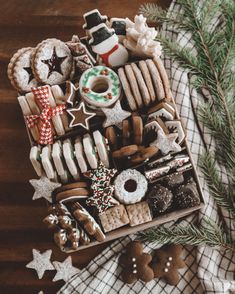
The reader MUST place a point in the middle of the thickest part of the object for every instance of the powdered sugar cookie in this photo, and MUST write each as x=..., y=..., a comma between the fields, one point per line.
x=134, y=86
x=52, y=62
x=157, y=82
x=130, y=186
x=12, y=64
x=127, y=89
x=22, y=72
x=147, y=78
x=141, y=83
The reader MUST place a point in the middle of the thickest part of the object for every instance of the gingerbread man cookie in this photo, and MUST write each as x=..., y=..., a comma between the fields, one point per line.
x=136, y=264
x=166, y=262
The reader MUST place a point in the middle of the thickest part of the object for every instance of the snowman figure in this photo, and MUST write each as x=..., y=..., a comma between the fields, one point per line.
x=104, y=42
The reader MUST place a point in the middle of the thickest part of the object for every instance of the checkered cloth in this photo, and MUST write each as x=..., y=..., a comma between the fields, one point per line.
x=207, y=270
x=41, y=94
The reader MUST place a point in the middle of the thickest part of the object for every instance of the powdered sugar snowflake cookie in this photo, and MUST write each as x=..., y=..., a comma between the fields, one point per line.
x=52, y=62
x=20, y=72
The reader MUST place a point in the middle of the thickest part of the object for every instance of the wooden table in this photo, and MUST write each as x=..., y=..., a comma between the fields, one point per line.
x=25, y=23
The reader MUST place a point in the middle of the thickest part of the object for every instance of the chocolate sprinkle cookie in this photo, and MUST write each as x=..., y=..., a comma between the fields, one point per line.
x=187, y=195
x=174, y=180
x=159, y=199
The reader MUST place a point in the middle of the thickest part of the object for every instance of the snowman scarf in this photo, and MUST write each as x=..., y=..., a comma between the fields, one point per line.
x=207, y=270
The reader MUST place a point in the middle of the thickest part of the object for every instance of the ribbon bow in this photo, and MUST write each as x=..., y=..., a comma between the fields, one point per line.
x=41, y=94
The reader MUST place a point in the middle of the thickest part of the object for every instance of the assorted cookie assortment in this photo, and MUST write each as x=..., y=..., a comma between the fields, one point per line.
x=102, y=123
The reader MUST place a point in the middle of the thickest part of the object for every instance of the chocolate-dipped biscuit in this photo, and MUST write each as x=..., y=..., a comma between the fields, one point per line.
x=159, y=199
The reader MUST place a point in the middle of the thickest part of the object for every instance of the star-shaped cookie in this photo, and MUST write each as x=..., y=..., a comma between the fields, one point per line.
x=41, y=262
x=64, y=269
x=80, y=116
x=115, y=115
x=166, y=142
x=43, y=188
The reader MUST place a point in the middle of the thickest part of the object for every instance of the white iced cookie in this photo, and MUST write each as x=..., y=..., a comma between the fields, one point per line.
x=57, y=156
x=47, y=163
x=100, y=86
x=102, y=148
x=90, y=151
x=80, y=156
x=35, y=159
x=130, y=186
x=104, y=42
x=68, y=153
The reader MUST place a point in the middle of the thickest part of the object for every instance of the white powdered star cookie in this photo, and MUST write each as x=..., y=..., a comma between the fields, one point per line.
x=57, y=156
x=90, y=151
x=47, y=163
x=157, y=82
x=79, y=153
x=134, y=86
x=147, y=78
x=130, y=186
x=35, y=159
x=101, y=147
x=127, y=89
x=68, y=153
x=141, y=83
x=52, y=62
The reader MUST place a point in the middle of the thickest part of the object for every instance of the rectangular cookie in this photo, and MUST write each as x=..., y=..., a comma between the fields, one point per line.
x=113, y=218
x=138, y=213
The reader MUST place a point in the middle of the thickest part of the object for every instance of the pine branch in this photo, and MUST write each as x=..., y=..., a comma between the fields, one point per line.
x=209, y=234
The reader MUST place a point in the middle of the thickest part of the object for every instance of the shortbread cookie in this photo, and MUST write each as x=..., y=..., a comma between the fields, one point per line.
x=141, y=84
x=72, y=195
x=157, y=82
x=72, y=186
x=22, y=73
x=147, y=78
x=114, y=218
x=68, y=152
x=125, y=151
x=57, y=156
x=35, y=159
x=134, y=85
x=164, y=77
x=126, y=133
x=52, y=62
x=130, y=186
x=47, y=162
x=88, y=222
x=111, y=135
x=144, y=154
x=138, y=213
x=127, y=89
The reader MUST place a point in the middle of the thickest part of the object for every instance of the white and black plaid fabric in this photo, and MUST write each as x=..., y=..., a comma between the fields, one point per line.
x=207, y=271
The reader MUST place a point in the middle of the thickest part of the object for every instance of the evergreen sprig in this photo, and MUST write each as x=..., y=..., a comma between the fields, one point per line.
x=210, y=63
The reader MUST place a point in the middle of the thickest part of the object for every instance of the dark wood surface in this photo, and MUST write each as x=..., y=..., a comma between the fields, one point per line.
x=25, y=23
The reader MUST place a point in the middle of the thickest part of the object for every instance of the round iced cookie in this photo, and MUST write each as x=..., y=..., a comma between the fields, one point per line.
x=100, y=86
x=130, y=186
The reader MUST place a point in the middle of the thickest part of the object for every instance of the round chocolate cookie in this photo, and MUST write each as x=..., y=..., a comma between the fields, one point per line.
x=174, y=180
x=187, y=196
x=159, y=199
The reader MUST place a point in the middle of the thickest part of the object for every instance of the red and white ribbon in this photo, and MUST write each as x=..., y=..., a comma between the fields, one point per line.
x=41, y=94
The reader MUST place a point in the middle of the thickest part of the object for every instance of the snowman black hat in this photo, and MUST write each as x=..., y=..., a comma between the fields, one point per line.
x=93, y=18
x=100, y=34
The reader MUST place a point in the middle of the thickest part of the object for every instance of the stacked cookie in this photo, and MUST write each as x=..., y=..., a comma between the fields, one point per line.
x=144, y=83
x=66, y=160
